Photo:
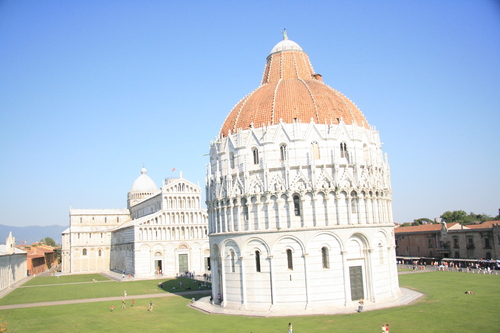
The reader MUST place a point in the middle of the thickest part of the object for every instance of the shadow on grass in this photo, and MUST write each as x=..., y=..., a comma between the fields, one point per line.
x=182, y=284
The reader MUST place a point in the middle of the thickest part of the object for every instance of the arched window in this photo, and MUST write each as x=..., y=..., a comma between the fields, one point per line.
x=233, y=265
x=289, y=259
x=366, y=153
x=255, y=153
x=354, y=202
x=296, y=205
x=283, y=152
x=231, y=160
x=343, y=151
x=257, y=261
x=100, y=253
x=315, y=150
x=325, y=257
x=84, y=252
x=244, y=209
x=381, y=253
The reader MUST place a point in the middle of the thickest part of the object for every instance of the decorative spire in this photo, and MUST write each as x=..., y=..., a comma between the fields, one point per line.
x=285, y=35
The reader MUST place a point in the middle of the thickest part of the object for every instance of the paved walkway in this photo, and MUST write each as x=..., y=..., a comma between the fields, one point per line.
x=102, y=299
x=406, y=297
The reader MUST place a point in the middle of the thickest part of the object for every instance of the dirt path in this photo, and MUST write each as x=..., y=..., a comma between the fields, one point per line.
x=102, y=299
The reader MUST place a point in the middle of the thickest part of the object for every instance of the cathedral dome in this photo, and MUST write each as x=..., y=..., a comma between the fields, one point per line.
x=144, y=183
x=291, y=92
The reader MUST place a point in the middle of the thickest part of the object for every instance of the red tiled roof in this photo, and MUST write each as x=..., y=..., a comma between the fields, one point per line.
x=423, y=228
x=484, y=225
x=291, y=91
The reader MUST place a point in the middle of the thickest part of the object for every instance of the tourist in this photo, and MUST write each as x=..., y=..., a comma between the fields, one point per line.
x=133, y=302
x=361, y=303
x=112, y=307
x=150, y=306
x=123, y=303
x=290, y=329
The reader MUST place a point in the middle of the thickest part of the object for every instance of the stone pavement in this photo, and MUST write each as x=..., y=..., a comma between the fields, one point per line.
x=406, y=297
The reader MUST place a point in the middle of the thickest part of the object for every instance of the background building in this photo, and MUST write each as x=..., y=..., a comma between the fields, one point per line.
x=163, y=231
x=299, y=196
x=13, y=267
x=449, y=240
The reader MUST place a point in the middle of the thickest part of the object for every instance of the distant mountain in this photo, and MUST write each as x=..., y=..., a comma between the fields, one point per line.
x=32, y=234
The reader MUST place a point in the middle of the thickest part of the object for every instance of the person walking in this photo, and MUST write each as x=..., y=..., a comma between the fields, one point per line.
x=150, y=306
x=290, y=328
x=123, y=303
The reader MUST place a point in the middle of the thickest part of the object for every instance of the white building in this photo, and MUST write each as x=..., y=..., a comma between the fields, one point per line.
x=299, y=197
x=162, y=231
x=13, y=264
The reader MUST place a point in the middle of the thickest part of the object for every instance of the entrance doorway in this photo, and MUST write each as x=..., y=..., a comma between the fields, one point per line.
x=356, y=277
x=158, y=267
x=183, y=263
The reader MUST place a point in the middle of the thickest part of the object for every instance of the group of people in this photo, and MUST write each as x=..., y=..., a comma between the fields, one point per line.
x=385, y=328
x=112, y=307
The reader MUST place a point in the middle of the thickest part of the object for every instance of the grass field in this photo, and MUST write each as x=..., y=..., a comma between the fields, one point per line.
x=445, y=308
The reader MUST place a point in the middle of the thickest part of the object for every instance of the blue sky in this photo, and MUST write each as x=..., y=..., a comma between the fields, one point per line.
x=90, y=91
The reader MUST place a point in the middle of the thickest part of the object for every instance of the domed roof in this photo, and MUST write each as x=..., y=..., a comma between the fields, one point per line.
x=144, y=183
x=291, y=92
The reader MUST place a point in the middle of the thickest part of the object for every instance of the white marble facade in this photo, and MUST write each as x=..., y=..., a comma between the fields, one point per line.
x=163, y=231
x=300, y=212
x=13, y=263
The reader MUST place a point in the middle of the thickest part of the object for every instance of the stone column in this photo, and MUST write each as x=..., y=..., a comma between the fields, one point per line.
x=291, y=212
x=347, y=280
x=230, y=218
x=273, y=284
x=369, y=275
x=223, y=280
x=308, y=297
x=258, y=205
x=349, y=210
x=327, y=210
x=225, y=221
x=243, y=283
x=279, y=203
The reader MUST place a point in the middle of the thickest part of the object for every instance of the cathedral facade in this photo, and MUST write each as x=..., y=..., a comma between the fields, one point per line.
x=161, y=232
x=299, y=197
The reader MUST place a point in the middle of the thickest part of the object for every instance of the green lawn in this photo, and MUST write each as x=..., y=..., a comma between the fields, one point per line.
x=445, y=308
x=44, y=280
x=49, y=291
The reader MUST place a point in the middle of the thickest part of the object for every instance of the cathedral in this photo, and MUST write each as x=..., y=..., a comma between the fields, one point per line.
x=162, y=232
x=299, y=197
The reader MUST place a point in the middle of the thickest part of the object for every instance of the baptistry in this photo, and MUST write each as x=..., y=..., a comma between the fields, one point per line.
x=299, y=197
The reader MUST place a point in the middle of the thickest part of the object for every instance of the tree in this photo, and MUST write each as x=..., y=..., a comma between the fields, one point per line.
x=48, y=241
x=454, y=216
x=423, y=220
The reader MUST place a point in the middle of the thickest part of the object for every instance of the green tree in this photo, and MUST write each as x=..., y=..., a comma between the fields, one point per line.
x=454, y=216
x=423, y=220
x=48, y=241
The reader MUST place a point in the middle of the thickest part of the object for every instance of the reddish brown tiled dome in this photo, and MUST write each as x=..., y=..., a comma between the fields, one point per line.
x=291, y=91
